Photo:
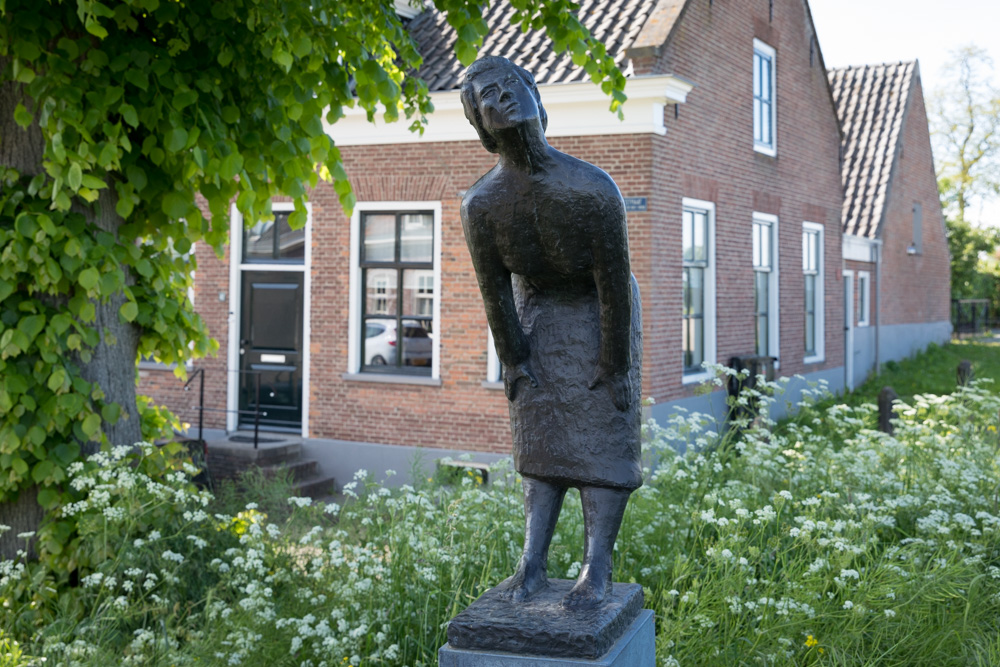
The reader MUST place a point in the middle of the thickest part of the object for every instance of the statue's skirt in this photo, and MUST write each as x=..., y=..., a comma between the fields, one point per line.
x=565, y=432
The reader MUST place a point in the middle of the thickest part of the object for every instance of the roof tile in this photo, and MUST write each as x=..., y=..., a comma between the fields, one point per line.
x=871, y=105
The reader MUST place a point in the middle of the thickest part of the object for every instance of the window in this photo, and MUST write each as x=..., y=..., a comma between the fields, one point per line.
x=864, y=298
x=274, y=241
x=394, y=322
x=698, y=286
x=765, y=284
x=764, y=108
x=812, y=270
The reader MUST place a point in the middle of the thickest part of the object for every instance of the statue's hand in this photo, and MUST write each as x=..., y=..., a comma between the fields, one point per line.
x=511, y=374
x=619, y=386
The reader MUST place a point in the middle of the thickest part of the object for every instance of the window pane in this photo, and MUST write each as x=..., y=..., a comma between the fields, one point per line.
x=757, y=132
x=418, y=292
x=258, y=242
x=760, y=292
x=416, y=237
x=756, y=74
x=380, y=292
x=765, y=80
x=810, y=294
x=765, y=246
x=687, y=235
x=379, y=238
x=765, y=123
x=695, y=288
x=810, y=333
x=291, y=242
x=380, y=342
x=701, y=236
x=417, y=344
x=761, y=335
x=756, y=245
x=686, y=291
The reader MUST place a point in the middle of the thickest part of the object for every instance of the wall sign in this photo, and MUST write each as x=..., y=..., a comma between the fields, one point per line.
x=635, y=203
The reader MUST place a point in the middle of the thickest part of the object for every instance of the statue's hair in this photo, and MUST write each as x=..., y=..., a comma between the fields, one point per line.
x=487, y=64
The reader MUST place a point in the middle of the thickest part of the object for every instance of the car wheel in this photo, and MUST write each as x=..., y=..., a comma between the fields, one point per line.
x=377, y=360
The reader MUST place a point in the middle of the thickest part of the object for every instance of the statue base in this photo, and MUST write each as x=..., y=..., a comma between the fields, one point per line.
x=495, y=633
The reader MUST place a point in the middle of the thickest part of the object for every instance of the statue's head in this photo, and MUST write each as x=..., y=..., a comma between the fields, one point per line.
x=498, y=95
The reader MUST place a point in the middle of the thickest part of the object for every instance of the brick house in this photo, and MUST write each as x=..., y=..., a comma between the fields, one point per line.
x=368, y=331
x=896, y=262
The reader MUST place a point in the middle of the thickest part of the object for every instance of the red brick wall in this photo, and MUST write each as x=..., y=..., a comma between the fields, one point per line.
x=916, y=288
x=708, y=154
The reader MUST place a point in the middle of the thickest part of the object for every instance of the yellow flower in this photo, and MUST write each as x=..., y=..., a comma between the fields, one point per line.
x=991, y=427
x=811, y=641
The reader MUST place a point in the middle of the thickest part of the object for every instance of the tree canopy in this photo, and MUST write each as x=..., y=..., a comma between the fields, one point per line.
x=114, y=118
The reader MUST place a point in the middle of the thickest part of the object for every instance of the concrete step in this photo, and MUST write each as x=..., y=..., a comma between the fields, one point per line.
x=300, y=469
x=318, y=486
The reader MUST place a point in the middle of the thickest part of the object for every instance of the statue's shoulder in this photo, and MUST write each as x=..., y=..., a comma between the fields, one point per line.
x=476, y=200
x=590, y=177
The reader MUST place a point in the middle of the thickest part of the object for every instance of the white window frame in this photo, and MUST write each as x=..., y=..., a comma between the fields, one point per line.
x=768, y=52
x=864, y=298
x=773, y=303
x=354, y=371
x=709, y=316
x=236, y=267
x=493, y=378
x=820, y=321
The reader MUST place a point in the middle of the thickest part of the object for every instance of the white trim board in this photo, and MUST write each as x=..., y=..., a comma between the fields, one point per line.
x=859, y=249
x=236, y=266
x=574, y=109
x=820, y=295
x=709, y=307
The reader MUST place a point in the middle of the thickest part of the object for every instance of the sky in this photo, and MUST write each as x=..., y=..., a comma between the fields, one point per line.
x=860, y=32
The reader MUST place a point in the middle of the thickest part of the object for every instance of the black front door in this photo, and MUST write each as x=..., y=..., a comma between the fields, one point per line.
x=271, y=349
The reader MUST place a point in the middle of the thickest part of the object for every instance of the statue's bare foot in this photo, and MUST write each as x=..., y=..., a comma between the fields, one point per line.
x=591, y=588
x=528, y=580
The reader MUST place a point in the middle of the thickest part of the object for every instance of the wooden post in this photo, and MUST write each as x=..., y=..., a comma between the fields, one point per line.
x=965, y=373
x=886, y=410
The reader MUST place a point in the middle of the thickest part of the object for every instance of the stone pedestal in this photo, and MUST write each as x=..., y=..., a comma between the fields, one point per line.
x=495, y=633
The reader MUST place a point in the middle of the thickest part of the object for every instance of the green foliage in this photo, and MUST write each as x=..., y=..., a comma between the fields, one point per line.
x=969, y=277
x=819, y=541
x=154, y=114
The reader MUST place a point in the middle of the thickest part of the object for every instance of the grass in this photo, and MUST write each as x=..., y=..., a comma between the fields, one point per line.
x=933, y=371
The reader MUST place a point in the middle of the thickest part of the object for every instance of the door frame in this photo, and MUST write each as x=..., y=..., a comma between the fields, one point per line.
x=236, y=267
x=848, y=297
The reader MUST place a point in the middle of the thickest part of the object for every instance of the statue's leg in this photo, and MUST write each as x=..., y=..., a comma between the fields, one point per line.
x=603, y=510
x=542, y=502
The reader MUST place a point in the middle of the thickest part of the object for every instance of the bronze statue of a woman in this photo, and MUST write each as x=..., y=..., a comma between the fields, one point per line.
x=549, y=243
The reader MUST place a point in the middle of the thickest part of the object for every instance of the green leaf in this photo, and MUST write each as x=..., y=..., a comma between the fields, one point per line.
x=283, y=58
x=22, y=117
x=95, y=29
x=297, y=219
x=111, y=412
x=42, y=470
x=231, y=165
x=57, y=379
x=129, y=115
x=144, y=267
x=124, y=207
x=88, y=278
x=136, y=176
x=137, y=78
x=129, y=311
x=75, y=176
x=175, y=139
x=230, y=114
x=47, y=497
x=91, y=425
x=225, y=57
x=175, y=205
x=19, y=466
x=6, y=289
x=31, y=325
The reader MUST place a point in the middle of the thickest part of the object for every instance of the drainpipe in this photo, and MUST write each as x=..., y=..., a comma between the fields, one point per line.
x=878, y=304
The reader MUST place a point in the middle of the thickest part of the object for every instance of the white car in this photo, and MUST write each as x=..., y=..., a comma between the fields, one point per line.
x=380, y=343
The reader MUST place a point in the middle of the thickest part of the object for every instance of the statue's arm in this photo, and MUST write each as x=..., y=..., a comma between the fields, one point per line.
x=612, y=274
x=498, y=298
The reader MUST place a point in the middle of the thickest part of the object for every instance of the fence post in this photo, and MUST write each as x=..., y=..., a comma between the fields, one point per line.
x=886, y=409
x=965, y=373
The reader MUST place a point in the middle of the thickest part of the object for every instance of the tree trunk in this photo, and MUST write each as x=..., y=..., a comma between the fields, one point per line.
x=112, y=366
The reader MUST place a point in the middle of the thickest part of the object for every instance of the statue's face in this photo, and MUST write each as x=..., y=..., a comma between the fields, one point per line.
x=504, y=100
